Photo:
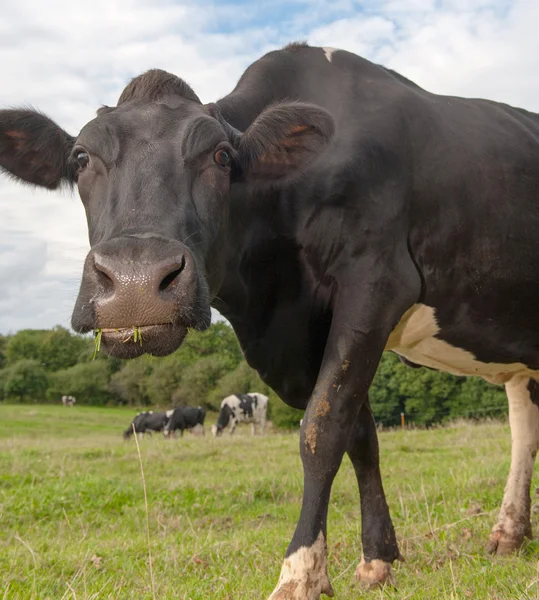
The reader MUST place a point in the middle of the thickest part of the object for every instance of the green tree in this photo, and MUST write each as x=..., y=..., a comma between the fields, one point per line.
x=24, y=381
x=241, y=380
x=130, y=382
x=88, y=382
x=60, y=349
x=164, y=379
x=53, y=349
x=282, y=415
x=385, y=396
x=219, y=339
x=479, y=399
x=3, y=347
x=25, y=345
x=200, y=378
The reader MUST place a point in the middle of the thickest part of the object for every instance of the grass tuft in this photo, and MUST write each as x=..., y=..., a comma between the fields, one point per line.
x=221, y=512
x=150, y=560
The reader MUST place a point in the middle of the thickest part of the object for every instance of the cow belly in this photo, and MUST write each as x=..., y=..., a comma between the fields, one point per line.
x=414, y=339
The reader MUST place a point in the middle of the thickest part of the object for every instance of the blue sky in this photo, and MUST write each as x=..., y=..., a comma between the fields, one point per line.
x=68, y=58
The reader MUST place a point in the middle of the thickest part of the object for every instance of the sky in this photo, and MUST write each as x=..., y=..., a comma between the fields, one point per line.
x=69, y=58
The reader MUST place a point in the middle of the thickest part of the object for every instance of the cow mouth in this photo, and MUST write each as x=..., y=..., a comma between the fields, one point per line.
x=130, y=342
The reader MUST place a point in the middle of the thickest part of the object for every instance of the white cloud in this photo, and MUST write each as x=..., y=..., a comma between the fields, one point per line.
x=69, y=58
x=473, y=48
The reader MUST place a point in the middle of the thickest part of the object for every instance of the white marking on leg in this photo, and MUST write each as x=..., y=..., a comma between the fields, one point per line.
x=514, y=519
x=304, y=574
x=329, y=52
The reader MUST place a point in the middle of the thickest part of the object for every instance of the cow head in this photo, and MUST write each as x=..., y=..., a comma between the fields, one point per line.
x=155, y=175
x=216, y=430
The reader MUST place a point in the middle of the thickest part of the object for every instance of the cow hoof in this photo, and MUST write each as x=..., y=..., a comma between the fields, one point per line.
x=302, y=590
x=304, y=574
x=375, y=573
x=503, y=543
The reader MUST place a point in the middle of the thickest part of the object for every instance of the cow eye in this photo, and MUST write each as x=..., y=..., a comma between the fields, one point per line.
x=222, y=158
x=82, y=159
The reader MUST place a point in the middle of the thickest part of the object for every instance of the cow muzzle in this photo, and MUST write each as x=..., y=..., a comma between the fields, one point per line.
x=141, y=295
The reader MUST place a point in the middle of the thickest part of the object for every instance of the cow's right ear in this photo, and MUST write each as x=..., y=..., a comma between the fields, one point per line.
x=283, y=140
x=34, y=149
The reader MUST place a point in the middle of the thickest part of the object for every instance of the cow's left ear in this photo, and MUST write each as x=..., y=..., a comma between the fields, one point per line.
x=35, y=149
x=283, y=140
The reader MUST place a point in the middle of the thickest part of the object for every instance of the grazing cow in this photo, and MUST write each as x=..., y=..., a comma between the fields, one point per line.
x=330, y=209
x=184, y=417
x=68, y=400
x=146, y=422
x=242, y=408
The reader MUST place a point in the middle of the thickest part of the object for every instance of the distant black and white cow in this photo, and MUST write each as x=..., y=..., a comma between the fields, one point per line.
x=184, y=417
x=68, y=400
x=242, y=408
x=146, y=422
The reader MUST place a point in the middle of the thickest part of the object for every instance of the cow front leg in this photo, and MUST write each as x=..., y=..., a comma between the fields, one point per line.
x=362, y=320
x=325, y=433
x=380, y=547
x=514, y=520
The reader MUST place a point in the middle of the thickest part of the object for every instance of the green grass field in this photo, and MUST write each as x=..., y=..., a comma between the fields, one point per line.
x=221, y=512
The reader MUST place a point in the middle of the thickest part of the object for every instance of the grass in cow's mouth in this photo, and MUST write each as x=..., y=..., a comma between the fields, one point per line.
x=136, y=336
x=97, y=340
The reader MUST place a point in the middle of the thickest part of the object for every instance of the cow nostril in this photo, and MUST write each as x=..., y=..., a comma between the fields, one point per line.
x=104, y=280
x=168, y=281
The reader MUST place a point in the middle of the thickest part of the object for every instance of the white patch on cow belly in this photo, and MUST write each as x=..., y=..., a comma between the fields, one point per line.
x=413, y=338
x=304, y=574
x=329, y=52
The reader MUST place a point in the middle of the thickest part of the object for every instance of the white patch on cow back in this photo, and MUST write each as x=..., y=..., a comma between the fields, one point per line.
x=413, y=338
x=304, y=574
x=329, y=52
x=169, y=413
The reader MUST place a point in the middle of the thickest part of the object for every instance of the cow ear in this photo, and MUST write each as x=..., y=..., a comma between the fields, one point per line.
x=283, y=140
x=34, y=149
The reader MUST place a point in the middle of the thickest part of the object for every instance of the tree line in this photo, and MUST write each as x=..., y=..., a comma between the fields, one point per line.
x=43, y=365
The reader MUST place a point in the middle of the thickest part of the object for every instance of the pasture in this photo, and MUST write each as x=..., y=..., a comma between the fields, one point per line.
x=221, y=511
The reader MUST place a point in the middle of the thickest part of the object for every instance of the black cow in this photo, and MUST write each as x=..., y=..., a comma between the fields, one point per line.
x=184, y=417
x=146, y=422
x=331, y=209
